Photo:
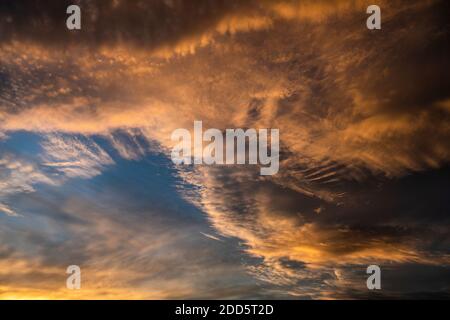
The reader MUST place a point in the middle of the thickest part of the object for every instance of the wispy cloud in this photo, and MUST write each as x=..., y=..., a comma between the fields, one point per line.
x=18, y=176
x=74, y=157
x=7, y=210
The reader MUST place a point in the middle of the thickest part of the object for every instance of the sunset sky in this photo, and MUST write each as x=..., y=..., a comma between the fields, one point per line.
x=86, y=177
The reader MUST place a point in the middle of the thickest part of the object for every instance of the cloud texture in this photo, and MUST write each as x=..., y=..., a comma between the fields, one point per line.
x=359, y=113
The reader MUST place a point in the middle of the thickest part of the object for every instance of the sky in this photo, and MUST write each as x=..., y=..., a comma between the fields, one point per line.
x=86, y=176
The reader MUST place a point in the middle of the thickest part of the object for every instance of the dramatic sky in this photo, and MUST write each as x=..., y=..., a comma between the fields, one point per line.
x=86, y=177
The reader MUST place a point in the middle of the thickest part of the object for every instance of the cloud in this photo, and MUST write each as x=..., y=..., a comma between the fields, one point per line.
x=123, y=241
x=7, y=210
x=74, y=157
x=164, y=28
x=63, y=157
x=349, y=116
x=179, y=25
x=210, y=236
x=300, y=251
x=128, y=145
x=18, y=176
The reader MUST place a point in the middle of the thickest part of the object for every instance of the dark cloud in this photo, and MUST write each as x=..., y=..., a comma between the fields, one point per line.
x=139, y=23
